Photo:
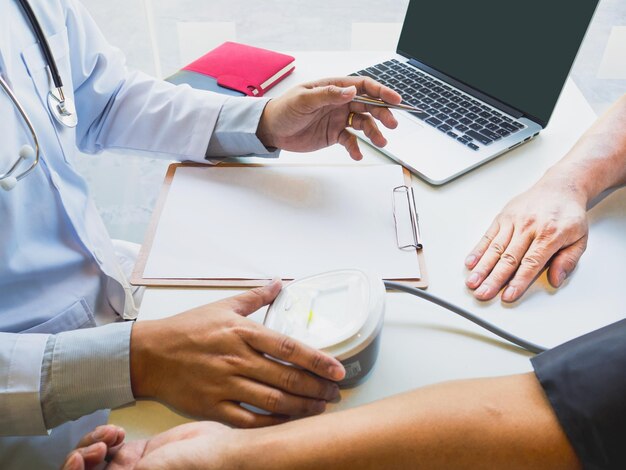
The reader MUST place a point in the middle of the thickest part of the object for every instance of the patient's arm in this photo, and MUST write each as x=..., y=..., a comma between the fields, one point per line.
x=491, y=423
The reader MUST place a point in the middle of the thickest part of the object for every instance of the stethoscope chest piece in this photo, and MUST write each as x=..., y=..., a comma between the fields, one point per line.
x=62, y=108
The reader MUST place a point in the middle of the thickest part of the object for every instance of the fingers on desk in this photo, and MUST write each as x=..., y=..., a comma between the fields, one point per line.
x=506, y=256
x=479, y=250
x=486, y=255
x=511, y=256
x=565, y=261
x=544, y=251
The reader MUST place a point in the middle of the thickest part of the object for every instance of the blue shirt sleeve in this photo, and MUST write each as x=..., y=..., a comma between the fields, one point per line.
x=84, y=371
x=235, y=130
x=20, y=366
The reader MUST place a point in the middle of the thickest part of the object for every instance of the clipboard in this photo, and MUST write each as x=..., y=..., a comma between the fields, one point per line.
x=403, y=209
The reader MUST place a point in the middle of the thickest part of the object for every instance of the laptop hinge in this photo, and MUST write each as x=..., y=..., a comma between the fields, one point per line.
x=467, y=89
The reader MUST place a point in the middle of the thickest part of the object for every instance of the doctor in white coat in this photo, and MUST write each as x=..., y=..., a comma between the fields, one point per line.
x=66, y=356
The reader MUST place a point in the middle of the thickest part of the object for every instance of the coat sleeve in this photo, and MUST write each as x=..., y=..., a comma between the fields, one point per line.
x=118, y=108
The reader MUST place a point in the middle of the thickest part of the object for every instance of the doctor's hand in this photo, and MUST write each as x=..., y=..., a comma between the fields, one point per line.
x=207, y=361
x=316, y=115
x=545, y=226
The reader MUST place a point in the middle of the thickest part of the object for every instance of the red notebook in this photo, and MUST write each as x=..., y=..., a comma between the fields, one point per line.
x=250, y=70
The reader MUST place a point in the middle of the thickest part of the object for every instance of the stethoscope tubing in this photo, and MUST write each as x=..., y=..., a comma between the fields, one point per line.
x=43, y=43
x=31, y=128
x=58, y=104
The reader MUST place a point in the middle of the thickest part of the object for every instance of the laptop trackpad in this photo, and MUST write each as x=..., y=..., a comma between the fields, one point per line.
x=425, y=150
x=409, y=127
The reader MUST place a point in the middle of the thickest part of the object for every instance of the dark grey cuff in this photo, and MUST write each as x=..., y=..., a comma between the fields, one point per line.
x=585, y=382
x=84, y=371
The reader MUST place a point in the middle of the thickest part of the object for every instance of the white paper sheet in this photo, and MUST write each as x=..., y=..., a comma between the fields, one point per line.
x=285, y=221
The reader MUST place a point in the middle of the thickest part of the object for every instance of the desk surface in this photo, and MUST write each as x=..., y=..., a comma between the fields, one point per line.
x=421, y=343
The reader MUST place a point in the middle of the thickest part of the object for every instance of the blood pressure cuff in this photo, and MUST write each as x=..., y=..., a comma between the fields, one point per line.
x=585, y=382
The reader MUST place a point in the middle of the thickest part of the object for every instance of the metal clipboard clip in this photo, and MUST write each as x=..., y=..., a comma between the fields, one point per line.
x=410, y=199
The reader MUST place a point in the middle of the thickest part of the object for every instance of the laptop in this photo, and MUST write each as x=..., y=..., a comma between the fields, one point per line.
x=485, y=74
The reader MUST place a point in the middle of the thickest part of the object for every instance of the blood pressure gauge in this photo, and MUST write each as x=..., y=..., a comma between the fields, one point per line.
x=339, y=312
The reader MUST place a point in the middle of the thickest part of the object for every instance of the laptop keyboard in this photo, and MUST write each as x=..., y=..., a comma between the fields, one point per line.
x=456, y=114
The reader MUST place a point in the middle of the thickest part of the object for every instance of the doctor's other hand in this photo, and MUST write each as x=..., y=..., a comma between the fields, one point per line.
x=545, y=226
x=207, y=361
x=316, y=115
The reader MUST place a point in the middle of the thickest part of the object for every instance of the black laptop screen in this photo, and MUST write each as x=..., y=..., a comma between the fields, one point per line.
x=518, y=52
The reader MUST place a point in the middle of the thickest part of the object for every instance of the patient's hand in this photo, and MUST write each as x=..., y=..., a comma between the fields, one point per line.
x=193, y=445
x=94, y=447
x=545, y=226
x=202, y=445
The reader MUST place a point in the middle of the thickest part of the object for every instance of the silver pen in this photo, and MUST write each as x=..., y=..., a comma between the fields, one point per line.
x=384, y=104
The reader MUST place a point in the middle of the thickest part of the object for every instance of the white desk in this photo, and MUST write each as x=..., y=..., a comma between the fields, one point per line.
x=421, y=343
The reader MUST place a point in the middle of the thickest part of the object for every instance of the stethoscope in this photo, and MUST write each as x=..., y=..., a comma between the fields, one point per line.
x=61, y=106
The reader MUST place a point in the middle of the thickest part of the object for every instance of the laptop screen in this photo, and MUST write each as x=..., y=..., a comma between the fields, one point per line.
x=519, y=53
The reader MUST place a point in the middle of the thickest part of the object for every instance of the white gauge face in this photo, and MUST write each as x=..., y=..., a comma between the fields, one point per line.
x=322, y=311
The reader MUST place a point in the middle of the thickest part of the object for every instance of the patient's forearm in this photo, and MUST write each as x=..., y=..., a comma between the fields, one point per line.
x=485, y=423
x=598, y=160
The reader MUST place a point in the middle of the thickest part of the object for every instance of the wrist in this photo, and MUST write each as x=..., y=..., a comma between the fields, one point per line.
x=595, y=163
x=263, y=131
x=139, y=353
x=258, y=449
x=570, y=182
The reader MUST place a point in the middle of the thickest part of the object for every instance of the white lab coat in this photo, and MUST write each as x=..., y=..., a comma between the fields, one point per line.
x=55, y=254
